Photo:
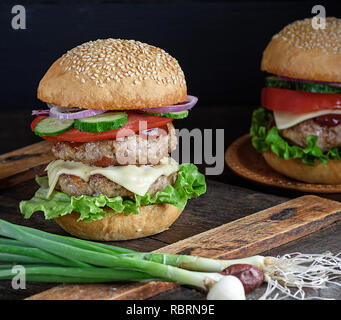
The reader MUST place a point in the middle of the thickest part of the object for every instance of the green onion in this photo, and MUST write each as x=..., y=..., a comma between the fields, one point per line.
x=184, y=261
x=39, y=254
x=12, y=242
x=83, y=244
x=196, y=263
x=15, y=258
x=92, y=274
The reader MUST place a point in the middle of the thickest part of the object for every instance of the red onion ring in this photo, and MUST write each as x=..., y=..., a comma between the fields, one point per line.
x=72, y=113
x=332, y=84
x=188, y=104
x=78, y=113
x=40, y=112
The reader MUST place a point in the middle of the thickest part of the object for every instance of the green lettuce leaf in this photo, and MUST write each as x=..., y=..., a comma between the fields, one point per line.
x=190, y=183
x=265, y=138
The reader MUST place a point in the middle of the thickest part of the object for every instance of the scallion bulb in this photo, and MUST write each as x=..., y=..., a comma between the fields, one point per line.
x=227, y=288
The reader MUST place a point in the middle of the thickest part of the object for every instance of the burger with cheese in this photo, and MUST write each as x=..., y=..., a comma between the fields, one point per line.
x=111, y=105
x=298, y=127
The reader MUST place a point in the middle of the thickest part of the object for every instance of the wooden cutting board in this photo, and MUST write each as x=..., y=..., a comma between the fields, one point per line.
x=241, y=238
x=24, y=163
x=226, y=222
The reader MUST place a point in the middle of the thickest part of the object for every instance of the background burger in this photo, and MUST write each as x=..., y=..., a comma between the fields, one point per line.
x=298, y=128
x=111, y=106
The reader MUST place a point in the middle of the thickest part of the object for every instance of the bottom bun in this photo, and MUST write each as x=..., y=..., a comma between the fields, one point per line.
x=150, y=220
x=324, y=173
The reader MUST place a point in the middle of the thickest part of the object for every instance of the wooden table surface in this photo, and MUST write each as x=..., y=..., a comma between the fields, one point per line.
x=228, y=198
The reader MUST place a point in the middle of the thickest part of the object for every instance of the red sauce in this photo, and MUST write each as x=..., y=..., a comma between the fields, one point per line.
x=329, y=120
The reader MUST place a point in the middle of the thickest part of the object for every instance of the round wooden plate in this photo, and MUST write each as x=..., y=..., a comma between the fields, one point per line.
x=244, y=160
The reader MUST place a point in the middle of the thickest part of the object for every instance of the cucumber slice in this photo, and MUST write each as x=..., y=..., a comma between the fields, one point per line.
x=174, y=115
x=53, y=126
x=102, y=122
x=273, y=82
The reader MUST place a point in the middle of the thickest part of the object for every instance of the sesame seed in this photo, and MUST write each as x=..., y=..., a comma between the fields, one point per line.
x=121, y=58
x=302, y=35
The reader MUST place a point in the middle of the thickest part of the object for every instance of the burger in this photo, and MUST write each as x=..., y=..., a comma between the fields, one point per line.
x=298, y=127
x=109, y=118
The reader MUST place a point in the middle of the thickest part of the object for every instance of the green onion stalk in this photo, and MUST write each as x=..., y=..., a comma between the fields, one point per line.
x=50, y=273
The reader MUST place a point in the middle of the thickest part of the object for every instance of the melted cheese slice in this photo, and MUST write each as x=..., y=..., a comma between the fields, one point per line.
x=136, y=179
x=285, y=120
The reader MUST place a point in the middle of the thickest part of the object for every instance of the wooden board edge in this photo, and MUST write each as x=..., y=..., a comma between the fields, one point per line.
x=20, y=165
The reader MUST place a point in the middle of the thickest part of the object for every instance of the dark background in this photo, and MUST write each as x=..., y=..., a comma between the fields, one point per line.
x=218, y=44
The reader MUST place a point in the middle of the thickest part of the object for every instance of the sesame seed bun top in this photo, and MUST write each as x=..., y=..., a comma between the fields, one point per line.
x=300, y=51
x=113, y=74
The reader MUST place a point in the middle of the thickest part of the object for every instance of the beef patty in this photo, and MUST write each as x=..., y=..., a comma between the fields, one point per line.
x=328, y=137
x=148, y=147
x=75, y=186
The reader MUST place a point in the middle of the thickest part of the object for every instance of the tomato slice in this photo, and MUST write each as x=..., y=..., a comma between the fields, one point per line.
x=135, y=122
x=298, y=101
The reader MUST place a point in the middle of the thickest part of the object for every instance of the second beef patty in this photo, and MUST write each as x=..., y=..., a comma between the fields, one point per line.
x=75, y=186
